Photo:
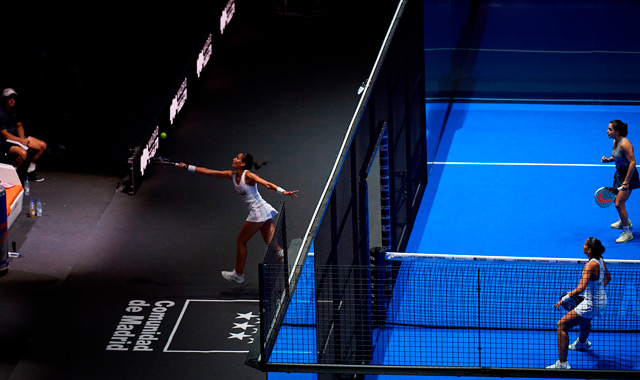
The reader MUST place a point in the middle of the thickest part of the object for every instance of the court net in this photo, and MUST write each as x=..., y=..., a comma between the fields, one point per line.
x=438, y=313
x=502, y=292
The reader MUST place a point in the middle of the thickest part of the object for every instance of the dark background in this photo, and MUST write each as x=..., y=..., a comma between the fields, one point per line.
x=532, y=50
x=91, y=82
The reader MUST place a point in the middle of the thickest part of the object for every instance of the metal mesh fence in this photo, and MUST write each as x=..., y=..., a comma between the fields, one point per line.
x=469, y=317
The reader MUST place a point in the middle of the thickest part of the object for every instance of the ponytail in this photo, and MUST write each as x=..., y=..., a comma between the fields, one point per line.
x=622, y=128
x=249, y=163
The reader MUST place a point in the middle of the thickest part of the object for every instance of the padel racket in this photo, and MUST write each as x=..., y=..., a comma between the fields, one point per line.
x=572, y=302
x=605, y=196
x=164, y=161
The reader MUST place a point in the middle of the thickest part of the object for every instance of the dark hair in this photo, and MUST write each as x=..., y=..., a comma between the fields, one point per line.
x=596, y=247
x=249, y=163
x=620, y=127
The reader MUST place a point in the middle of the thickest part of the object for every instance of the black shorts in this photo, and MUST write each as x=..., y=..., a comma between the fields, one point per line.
x=621, y=174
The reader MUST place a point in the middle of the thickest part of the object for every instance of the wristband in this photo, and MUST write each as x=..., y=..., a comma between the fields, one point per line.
x=280, y=190
x=566, y=298
x=191, y=169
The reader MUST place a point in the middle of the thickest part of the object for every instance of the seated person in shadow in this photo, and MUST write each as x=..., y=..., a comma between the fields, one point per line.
x=24, y=149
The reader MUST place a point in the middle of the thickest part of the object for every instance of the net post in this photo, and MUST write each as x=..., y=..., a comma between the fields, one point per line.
x=379, y=281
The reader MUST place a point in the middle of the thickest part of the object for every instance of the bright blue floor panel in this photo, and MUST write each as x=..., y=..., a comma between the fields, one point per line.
x=488, y=194
x=540, y=133
x=499, y=348
x=526, y=211
x=295, y=345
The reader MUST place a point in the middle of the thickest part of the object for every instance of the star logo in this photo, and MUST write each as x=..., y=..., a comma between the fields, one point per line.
x=246, y=316
x=248, y=328
x=243, y=326
x=239, y=336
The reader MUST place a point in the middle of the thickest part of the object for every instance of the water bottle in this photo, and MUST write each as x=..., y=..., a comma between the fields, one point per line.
x=27, y=187
x=39, y=207
x=32, y=208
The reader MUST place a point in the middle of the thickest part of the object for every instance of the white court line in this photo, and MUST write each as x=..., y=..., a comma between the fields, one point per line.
x=175, y=328
x=512, y=259
x=518, y=164
x=536, y=51
x=532, y=100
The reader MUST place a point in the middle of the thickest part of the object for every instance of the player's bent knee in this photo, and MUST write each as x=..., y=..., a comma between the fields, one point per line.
x=561, y=325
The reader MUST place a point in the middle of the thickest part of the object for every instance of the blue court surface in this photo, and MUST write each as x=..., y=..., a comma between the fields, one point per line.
x=518, y=180
x=507, y=180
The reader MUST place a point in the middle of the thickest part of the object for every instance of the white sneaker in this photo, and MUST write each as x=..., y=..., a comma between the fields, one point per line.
x=624, y=237
x=559, y=365
x=232, y=276
x=618, y=224
x=578, y=346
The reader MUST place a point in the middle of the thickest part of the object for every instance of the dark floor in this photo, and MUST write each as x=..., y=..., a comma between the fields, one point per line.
x=285, y=91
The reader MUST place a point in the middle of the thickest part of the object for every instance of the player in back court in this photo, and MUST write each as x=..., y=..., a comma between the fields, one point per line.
x=595, y=276
x=261, y=213
x=626, y=176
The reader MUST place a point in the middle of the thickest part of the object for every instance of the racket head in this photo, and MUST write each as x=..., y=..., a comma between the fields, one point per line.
x=605, y=196
x=572, y=302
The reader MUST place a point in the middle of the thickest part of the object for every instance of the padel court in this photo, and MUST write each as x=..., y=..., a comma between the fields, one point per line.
x=511, y=180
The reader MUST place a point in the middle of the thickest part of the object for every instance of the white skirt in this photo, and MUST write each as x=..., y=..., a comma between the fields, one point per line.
x=261, y=212
x=587, y=310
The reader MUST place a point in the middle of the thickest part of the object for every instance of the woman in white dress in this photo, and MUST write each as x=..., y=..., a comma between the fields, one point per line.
x=595, y=276
x=261, y=213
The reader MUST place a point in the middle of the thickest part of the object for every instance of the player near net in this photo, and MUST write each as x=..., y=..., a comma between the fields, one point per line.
x=595, y=276
x=261, y=213
x=626, y=176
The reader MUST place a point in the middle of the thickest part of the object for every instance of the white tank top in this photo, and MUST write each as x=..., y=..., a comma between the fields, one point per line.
x=249, y=194
x=594, y=293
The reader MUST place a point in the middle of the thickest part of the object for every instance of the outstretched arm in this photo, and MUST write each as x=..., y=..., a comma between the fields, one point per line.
x=255, y=178
x=205, y=171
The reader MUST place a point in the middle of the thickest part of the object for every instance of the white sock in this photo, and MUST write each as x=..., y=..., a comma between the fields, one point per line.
x=32, y=167
x=625, y=228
